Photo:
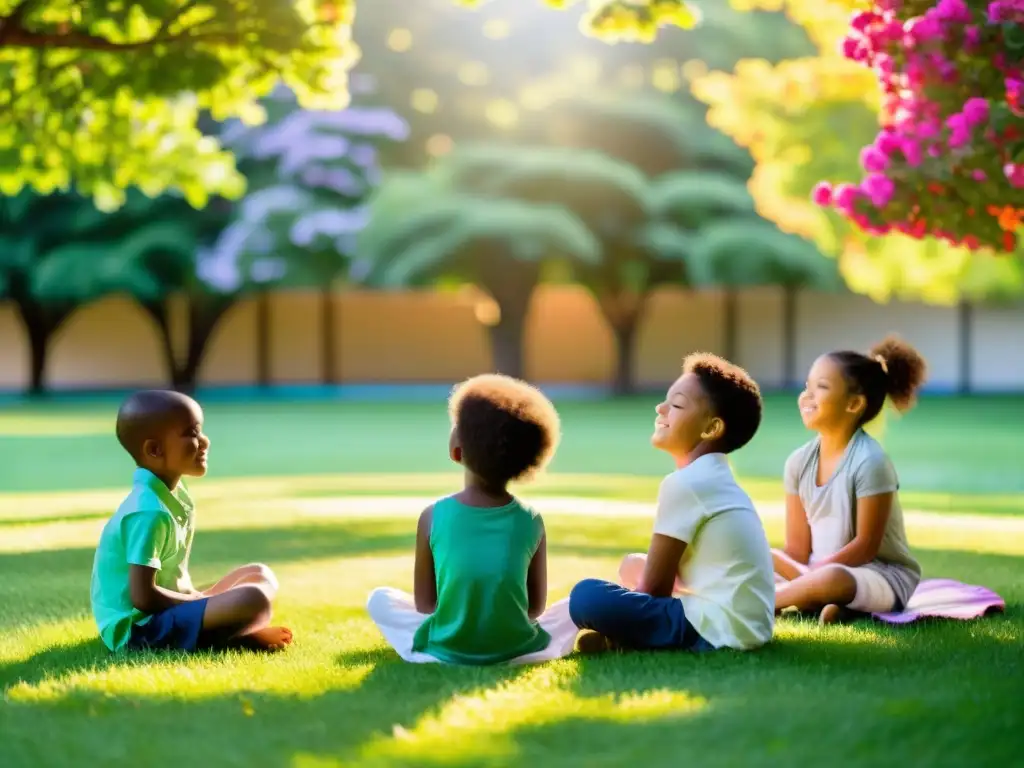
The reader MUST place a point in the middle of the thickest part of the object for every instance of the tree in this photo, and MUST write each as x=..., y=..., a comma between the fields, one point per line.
x=736, y=253
x=59, y=252
x=948, y=161
x=107, y=95
x=310, y=173
x=610, y=198
x=653, y=149
x=499, y=244
x=467, y=79
x=803, y=120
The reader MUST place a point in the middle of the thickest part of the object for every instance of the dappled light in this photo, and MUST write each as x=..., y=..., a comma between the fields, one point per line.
x=304, y=224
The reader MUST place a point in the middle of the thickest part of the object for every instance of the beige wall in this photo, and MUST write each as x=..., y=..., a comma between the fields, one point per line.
x=437, y=336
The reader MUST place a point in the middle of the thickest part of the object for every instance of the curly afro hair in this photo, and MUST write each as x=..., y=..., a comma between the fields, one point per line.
x=506, y=428
x=734, y=395
x=892, y=368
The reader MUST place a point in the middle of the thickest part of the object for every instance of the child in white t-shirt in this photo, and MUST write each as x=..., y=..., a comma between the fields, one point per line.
x=706, y=581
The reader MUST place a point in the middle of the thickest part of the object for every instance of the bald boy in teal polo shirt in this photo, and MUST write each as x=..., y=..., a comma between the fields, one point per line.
x=142, y=594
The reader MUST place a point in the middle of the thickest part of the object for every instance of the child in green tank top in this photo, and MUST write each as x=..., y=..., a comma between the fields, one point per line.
x=480, y=580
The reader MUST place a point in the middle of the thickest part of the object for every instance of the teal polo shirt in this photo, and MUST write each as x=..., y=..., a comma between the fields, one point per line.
x=153, y=527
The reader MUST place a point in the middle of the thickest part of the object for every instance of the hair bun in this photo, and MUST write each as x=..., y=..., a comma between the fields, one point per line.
x=905, y=369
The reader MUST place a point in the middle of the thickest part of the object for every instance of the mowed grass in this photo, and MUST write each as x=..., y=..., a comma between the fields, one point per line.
x=937, y=694
x=933, y=695
x=953, y=454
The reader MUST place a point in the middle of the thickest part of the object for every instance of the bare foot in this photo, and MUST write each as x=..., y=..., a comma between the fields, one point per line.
x=592, y=642
x=833, y=614
x=270, y=638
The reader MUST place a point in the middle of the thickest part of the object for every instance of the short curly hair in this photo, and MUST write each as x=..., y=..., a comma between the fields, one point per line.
x=734, y=395
x=507, y=429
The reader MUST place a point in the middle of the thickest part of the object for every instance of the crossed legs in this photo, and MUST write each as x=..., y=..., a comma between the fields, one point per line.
x=238, y=610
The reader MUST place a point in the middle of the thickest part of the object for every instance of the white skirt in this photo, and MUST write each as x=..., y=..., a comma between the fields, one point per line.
x=394, y=612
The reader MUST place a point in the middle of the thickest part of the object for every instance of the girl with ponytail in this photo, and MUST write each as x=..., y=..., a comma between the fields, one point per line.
x=846, y=547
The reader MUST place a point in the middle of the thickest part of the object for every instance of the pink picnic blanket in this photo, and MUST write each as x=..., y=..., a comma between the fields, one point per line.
x=946, y=599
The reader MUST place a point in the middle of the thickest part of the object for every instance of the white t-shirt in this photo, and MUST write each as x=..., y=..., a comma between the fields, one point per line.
x=726, y=570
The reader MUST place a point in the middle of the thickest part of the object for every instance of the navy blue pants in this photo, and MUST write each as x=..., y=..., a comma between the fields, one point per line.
x=633, y=620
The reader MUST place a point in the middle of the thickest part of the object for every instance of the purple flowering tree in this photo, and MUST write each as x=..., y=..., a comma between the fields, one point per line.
x=309, y=176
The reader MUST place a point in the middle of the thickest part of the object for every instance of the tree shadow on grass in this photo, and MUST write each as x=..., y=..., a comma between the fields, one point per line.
x=941, y=693
x=939, y=696
x=237, y=728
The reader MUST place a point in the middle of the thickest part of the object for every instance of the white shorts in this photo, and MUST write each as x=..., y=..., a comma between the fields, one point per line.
x=394, y=612
x=874, y=595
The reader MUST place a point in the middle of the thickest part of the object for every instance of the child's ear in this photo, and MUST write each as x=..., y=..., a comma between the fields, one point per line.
x=454, y=449
x=152, y=449
x=856, y=404
x=714, y=430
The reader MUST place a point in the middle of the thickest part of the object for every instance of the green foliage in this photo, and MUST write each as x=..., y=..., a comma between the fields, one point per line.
x=106, y=95
x=605, y=193
x=310, y=173
x=60, y=249
x=443, y=228
x=501, y=69
x=690, y=199
x=753, y=252
x=652, y=132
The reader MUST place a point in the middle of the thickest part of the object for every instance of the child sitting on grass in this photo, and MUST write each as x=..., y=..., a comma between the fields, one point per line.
x=480, y=578
x=706, y=580
x=142, y=594
x=845, y=543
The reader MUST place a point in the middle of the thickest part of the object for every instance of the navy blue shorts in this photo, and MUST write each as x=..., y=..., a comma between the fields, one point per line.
x=178, y=628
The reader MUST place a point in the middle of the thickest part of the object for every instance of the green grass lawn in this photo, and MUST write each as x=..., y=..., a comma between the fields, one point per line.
x=862, y=695
x=944, y=694
x=952, y=454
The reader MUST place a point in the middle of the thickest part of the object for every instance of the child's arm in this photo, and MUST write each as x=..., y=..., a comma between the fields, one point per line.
x=872, y=516
x=679, y=515
x=424, y=579
x=798, y=531
x=662, y=566
x=147, y=597
x=537, y=579
x=875, y=485
x=149, y=538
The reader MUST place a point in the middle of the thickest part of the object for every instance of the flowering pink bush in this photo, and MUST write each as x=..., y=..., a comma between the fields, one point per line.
x=948, y=161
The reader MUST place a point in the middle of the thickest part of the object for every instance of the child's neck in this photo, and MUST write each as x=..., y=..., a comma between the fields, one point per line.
x=686, y=459
x=834, y=442
x=170, y=480
x=479, y=493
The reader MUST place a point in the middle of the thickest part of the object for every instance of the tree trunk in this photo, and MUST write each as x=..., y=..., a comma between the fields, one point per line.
x=625, y=350
x=507, y=345
x=327, y=321
x=39, y=342
x=730, y=316
x=158, y=311
x=965, y=345
x=41, y=322
x=789, y=324
x=510, y=282
x=204, y=313
x=263, y=338
x=623, y=311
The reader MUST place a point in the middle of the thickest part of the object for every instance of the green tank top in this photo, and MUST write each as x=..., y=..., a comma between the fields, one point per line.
x=481, y=558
